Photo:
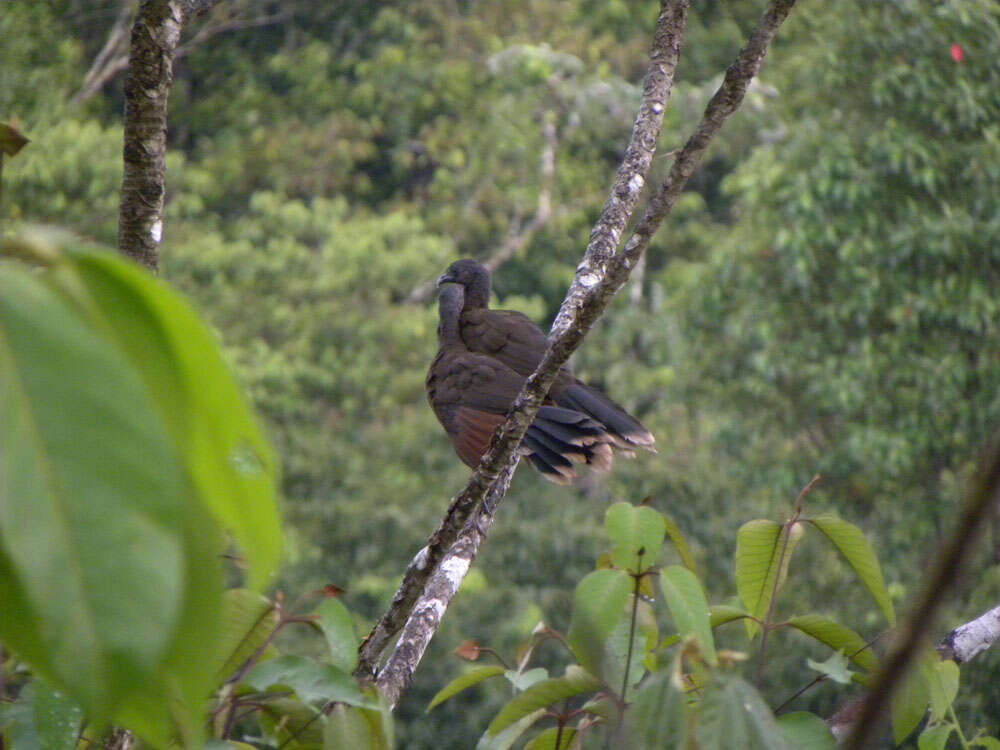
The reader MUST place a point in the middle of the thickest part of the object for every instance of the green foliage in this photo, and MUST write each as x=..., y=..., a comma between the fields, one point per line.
x=688, y=606
x=824, y=299
x=697, y=695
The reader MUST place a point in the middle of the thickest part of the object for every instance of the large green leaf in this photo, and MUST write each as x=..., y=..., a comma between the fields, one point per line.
x=293, y=725
x=909, y=703
x=337, y=625
x=942, y=683
x=688, y=607
x=542, y=694
x=637, y=535
x=680, y=544
x=92, y=506
x=349, y=728
x=599, y=604
x=657, y=716
x=311, y=680
x=763, y=552
x=838, y=637
x=40, y=717
x=249, y=620
x=732, y=714
x=179, y=360
x=935, y=738
x=858, y=552
x=464, y=681
x=806, y=731
x=506, y=739
x=720, y=614
x=553, y=738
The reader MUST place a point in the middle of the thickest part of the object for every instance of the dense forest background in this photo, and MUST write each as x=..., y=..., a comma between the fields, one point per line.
x=824, y=299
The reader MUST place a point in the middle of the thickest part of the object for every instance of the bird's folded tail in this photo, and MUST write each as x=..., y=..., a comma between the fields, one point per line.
x=624, y=429
x=559, y=437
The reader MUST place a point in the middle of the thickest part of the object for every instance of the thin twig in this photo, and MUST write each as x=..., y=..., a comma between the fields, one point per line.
x=786, y=529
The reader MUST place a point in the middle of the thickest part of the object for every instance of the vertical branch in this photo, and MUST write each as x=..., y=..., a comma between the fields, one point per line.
x=155, y=34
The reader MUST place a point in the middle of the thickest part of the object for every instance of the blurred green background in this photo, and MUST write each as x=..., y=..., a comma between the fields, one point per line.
x=824, y=299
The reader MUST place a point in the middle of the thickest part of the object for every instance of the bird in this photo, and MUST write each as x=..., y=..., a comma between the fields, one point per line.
x=470, y=394
x=512, y=338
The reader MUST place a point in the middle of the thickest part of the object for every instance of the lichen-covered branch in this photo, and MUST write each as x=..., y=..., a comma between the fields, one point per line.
x=155, y=34
x=395, y=677
x=501, y=457
x=946, y=570
x=969, y=640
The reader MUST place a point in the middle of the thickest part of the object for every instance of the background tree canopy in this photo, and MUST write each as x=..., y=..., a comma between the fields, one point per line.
x=825, y=298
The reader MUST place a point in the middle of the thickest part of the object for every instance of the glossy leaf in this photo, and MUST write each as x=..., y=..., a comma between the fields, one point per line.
x=806, y=731
x=732, y=714
x=310, y=680
x=680, y=544
x=657, y=715
x=348, y=727
x=688, y=606
x=598, y=606
x=720, y=614
x=542, y=694
x=835, y=667
x=909, y=704
x=763, y=552
x=942, y=683
x=553, y=739
x=57, y=719
x=934, y=738
x=858, y=552
x=180, y=363
x=88, y=467
x=463, y=682
x=338, y=627
x=250, y=618
x=838, y=637
x=524, y=680
x=637, y=534
x=510, y=735
x=293, y=725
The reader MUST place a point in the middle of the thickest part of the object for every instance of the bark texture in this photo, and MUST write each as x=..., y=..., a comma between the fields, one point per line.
x=599, y=276
x=155, y=34
x=969, y=640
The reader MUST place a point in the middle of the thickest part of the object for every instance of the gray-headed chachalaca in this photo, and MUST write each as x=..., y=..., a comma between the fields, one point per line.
x=515, y=340
x=484, y=358
x=470, y=394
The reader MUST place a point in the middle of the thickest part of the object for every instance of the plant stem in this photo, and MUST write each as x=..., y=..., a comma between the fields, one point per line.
x=787, y=531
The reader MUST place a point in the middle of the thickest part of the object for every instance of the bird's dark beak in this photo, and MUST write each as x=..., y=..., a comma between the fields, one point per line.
x=445, y=278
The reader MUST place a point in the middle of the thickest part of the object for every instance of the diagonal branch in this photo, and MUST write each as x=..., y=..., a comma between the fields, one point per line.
x=502, y=453
x=946, y=571
x=599, y=276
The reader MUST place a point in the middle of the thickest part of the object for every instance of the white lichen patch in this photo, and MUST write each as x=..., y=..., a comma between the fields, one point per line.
x=454, y=569
x=636, y=183
x=156, y=231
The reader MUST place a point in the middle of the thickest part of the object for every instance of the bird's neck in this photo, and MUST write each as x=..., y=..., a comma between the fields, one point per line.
x=477, y=295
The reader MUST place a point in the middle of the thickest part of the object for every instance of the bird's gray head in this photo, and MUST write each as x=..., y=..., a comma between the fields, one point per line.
x=473, y=277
